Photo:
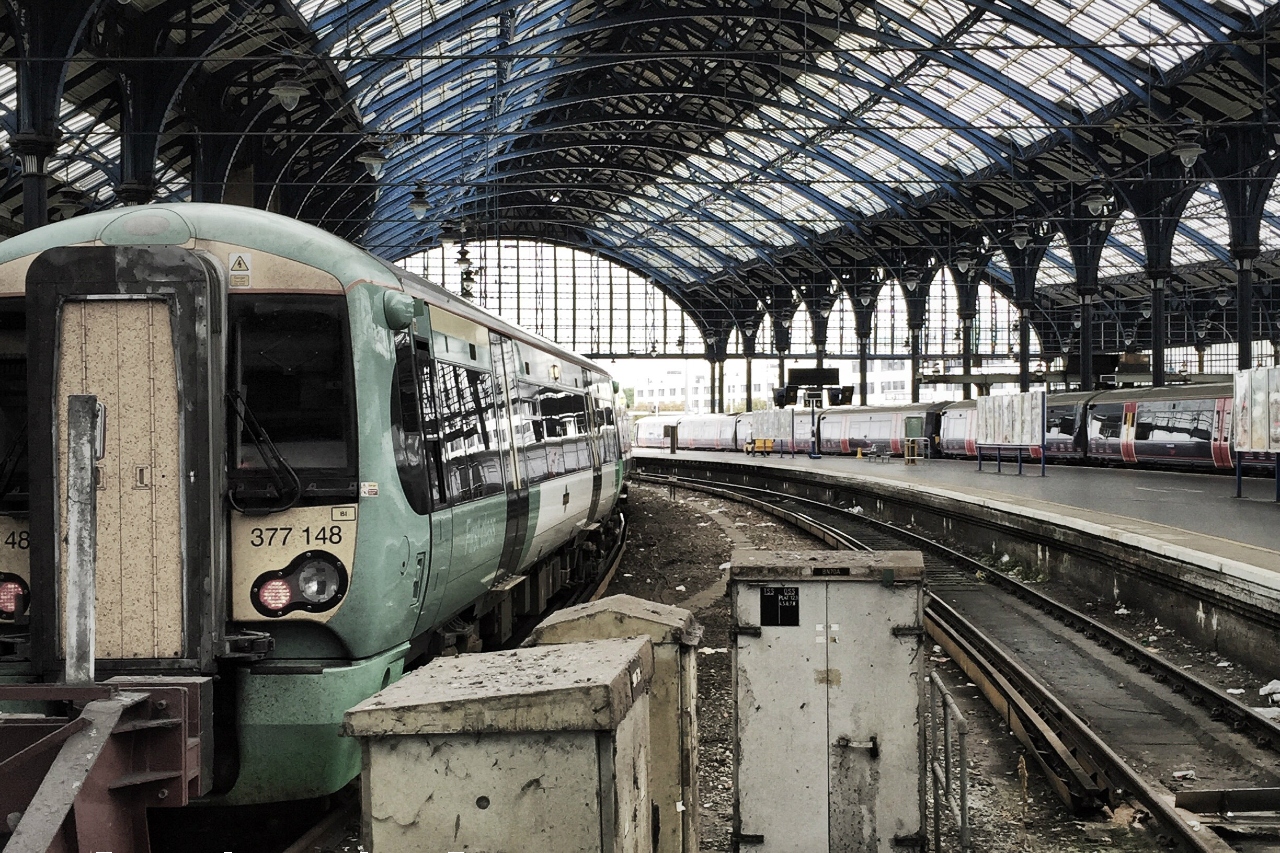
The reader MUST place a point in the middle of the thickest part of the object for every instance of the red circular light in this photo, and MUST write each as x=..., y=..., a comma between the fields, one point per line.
x=274, y=594
x=10, y=597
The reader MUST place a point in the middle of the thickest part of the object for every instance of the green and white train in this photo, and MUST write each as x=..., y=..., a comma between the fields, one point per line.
x=318, y=468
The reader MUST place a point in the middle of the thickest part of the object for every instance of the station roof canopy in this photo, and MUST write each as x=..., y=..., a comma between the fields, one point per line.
x=729, y=151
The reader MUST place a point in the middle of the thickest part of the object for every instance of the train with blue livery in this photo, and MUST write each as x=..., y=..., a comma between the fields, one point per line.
x=317, y=470
x=1186, y=427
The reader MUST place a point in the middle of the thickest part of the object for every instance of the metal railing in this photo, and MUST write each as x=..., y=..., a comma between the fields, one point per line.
x=948, y=768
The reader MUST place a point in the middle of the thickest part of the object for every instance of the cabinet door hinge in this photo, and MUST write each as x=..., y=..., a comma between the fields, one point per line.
x=745, y=631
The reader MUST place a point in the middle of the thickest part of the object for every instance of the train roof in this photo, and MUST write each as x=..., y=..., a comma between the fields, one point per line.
x=260, y=230
x=1209, y=390
x=906, y=407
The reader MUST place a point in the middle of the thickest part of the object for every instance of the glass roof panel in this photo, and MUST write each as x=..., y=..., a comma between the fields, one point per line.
x=309, y=10
x=445, y=96
x=1124, y=253
x=1144, y=30
x=1203, y=232
x=1248, y=7
x=937, y=17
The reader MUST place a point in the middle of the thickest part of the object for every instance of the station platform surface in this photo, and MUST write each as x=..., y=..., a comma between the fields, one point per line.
x=1194, y=518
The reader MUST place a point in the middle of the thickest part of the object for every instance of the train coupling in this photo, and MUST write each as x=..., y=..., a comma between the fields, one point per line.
x=247, y=646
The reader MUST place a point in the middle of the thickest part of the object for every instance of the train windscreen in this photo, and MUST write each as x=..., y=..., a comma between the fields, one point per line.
x=13, y=406
x=290, y=373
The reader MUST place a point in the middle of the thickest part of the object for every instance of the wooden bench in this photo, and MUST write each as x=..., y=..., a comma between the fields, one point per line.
x=763, y=446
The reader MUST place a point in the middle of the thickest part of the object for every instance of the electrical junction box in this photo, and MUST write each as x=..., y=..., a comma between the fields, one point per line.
x=673, y=700
x=535, y=750
x=828, y=701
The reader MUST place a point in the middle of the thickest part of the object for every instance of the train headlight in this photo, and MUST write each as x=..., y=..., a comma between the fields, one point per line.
x=14, y=596
x=318, y=581
x=314, y=582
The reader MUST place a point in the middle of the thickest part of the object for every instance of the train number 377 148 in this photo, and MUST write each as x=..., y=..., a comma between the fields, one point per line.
x=260, y=537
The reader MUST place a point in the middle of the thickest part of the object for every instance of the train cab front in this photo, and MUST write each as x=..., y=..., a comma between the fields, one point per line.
x=225, y=487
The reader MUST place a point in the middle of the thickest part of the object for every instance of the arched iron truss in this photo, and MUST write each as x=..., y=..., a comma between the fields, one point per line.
x=733, y=153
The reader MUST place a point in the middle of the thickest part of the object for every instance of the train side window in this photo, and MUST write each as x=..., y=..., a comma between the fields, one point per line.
x=610, y=434
x=468, y=427
x=508, y=407
x=407, y=442
x=1105, y=424
x=564, y=419
x=1203, y=427
x=533, y=446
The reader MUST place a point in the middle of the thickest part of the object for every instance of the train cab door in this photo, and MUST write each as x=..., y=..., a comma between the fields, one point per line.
x=140, y=328
x=1220, y=438
x=428, y=547
x=1128, y=429
x=505, y=371
x=596, y=443
x=970, y=431
x=896, y=433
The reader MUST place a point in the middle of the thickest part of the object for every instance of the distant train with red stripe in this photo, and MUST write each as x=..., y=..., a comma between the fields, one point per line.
x=1182, y=426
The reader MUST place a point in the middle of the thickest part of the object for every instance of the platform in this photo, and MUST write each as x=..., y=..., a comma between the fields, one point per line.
x=1193, y=518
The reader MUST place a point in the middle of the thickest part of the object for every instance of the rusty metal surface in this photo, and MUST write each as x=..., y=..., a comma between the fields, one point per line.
x=1081, y=786
x=1229, y=800
x=83, y=781
x=64, y=783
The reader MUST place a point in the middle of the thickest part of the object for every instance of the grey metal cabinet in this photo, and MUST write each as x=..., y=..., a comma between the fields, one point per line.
x=828, y=688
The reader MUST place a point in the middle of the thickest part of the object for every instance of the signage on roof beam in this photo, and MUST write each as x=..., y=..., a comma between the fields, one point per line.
x=813, y=376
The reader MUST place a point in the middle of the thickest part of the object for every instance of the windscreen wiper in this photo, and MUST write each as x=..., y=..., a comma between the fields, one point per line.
x=12, y=459
x=278, y=468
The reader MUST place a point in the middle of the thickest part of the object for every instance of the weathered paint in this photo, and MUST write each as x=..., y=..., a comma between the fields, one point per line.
x=478, y=528
x=829, y=753
x=14, y=556
x=673, y=723
x=541, y=750
x=122, y=350
x=290, y=725
x=264, y=543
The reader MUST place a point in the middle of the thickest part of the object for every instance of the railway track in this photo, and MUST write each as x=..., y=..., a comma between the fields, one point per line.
x=1106, y=719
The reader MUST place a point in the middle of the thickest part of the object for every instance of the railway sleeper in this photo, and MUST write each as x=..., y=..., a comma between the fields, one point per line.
x=1067, y=768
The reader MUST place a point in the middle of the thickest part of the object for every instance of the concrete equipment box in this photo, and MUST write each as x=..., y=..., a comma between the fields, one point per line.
x=673, y=705
x=536, y=750
x=828, y=701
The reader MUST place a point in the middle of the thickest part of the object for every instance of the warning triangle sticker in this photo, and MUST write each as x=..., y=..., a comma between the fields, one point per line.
x=239, y=264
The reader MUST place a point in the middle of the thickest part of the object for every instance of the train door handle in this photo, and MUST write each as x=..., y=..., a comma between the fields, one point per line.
x=421, y=563
x=421, y=575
